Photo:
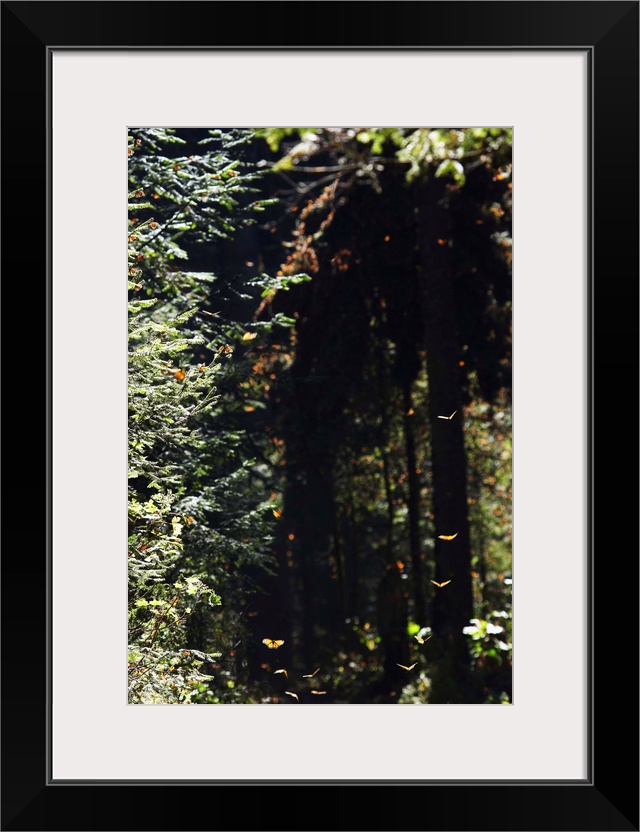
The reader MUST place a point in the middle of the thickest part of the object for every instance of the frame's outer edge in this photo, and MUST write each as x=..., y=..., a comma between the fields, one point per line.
x=614, y=327
x=610, y=802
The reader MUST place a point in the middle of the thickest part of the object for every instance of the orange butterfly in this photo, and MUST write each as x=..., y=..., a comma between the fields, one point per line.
x=272, y=643
x=444, y=583
x=249, y=336
x=309, y=675
x=295, y=695
x=404, y=667
x=447, y=536
x=276, y=513
x=282, y=670
x=448, y=417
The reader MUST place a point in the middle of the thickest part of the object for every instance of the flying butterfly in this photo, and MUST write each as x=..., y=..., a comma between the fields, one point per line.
x=447, y=536
x=404, y=667
x=282, y=670
x=273, y=643
x=423, y=635
x=448, y=417
x=318, y=692
x=295, y=695
x=309, y=675
x=444, y=583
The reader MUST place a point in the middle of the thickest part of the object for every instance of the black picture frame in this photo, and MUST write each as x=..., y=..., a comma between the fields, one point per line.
x=607, y=800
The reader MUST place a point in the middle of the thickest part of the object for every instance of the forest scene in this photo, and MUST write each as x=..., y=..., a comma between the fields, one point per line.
x=319, y=415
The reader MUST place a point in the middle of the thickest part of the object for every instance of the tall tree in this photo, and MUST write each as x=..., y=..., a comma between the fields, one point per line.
x=199, y=512
x=445, y=195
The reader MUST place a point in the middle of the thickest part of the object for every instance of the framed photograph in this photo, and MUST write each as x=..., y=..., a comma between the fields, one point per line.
x=534, y=105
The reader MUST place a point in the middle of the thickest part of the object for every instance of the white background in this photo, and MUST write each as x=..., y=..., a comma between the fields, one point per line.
x=96, y=734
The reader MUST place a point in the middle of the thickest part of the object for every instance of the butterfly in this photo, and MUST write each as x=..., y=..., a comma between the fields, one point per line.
x=444, y=583
x=309, y=675
x=318, y=692
x=295, y=695
x=404, y=667
x=249, y=336
x=448, y=417
x=273, y=643
x=276, y=513
x=282, y=670
x=422, y=635
x=447, y=536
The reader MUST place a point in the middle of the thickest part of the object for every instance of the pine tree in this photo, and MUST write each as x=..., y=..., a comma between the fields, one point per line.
x=199, y=518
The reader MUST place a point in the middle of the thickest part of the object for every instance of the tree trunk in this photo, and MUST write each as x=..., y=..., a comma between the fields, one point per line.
x=413, y=505
x=453, y=604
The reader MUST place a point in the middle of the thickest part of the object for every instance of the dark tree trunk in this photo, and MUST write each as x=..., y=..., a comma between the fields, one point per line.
x=392, y=628
x=452, y=604
x=413, y=505
x=311, y=425
x=309, y=516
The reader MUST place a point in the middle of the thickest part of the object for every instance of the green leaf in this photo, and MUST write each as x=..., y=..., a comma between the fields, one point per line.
x=286, y=163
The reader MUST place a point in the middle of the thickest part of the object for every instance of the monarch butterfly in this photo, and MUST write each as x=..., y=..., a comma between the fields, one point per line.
x=309, y=675
x=444, y=583
x=448, y=417
x=282, y=670
x=447, y=536
x=295, y=695
x=273, y=643
x=404, y=667
x=277, y=514
x=318, y=692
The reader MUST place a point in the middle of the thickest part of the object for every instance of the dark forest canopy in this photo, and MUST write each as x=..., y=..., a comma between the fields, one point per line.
x=320, y=415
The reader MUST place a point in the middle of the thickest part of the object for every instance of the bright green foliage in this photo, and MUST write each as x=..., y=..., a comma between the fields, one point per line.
x=196, y=517
x=449, y=149
x=444, y=152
